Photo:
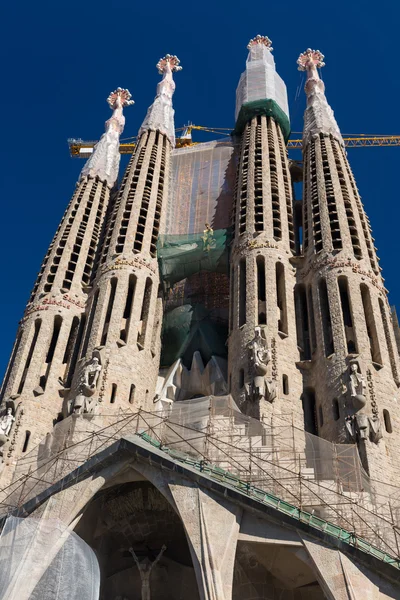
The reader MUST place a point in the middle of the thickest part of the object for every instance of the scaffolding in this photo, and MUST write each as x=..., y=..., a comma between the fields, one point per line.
x=272, y=461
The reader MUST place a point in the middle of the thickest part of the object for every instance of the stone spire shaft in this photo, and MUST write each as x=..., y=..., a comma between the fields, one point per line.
x=318, y=117
x=125, y=313
x=262, y=277
x=45, y=352
x=343, y=317
x=104, y=162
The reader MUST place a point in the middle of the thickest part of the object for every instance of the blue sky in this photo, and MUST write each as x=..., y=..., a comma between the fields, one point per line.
x=61, y=59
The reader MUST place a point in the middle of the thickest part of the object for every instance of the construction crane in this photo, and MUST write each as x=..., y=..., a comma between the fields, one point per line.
x=83, y=149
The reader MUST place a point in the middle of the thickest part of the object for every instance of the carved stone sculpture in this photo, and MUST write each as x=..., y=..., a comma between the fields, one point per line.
x=145, y=567
x=357, y=387
x=260, y=356
x=6, y=422
x=362, y=427
x=87, y=385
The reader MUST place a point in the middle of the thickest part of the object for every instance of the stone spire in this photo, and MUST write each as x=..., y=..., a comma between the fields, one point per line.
x=104, y=162
x=160, y=115
x=318, y=117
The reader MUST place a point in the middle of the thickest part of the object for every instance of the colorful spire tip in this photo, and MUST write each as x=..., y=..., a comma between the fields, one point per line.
x=260, y=39
x=170, y=59
x=123, y=94
x=310, y=58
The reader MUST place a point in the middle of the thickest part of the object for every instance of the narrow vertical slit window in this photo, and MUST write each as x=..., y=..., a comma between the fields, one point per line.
x=335, y=409
x=113, y=393
x=320, y=415
x=71, y=340
x=386, y=328
x=281, y=298
x=54, y=338
x=76, y=346
x=231, y=299
x=38, y=324
x=110, y=305
x=285, y=385
x=371, y=325
x=387, y=421
x=241, y=378
x=311, y=319
x=26, y=441
x=132, y=394
x=303, y=329
x=310, y=411
x=261, y=291
x=126, y=317
x=144, y=316
x=242, y=292
x=90, y=323
x=326, y=318
x=347, y=315
x=11, y=364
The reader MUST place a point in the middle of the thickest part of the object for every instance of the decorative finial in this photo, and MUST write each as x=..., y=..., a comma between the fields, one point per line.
x=260, y=39
x=170, y=59
x=310, y=58
x=123, y=94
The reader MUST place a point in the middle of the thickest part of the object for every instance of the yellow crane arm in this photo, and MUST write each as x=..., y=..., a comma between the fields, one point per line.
x=83, y=149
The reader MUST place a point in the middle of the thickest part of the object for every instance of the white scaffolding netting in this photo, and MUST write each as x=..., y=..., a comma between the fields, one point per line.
x=261, y=81
x=273, y=461
x=43, y=559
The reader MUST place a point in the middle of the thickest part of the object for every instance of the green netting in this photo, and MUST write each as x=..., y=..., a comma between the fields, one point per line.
x=189, y=328
x=266, y=107
x=180, y=256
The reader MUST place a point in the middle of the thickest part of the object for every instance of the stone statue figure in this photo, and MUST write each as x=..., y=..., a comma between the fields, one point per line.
x=260, y=356
x=145, y=567
x=87, y=385
x=6, y=422
x=362, y=427
x=357, y=387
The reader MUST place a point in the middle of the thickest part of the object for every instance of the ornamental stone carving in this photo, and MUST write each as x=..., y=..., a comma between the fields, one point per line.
x=357, y=387
x=87, y=385
x=145, y=567
x=6, y=422
x=260, y=356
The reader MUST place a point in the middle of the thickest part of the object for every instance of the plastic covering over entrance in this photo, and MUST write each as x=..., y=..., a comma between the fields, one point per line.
x=271, y=461
x=43, y=559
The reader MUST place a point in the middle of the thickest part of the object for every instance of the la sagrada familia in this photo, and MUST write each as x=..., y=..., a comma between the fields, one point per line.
x=202, y=398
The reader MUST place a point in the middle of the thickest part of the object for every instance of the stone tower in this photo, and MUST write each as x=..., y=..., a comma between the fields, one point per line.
x=349, y=356
x=124, y=318
x=262, y=340
x=45, y=352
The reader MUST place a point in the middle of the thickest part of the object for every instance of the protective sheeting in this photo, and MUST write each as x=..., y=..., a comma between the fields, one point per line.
x=271, y=461
x=203, y=178
x=43, y=559
x=260, y=81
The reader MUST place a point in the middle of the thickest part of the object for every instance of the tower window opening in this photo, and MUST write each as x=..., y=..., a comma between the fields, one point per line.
x=242, y=292
x=385, y=323
x=387, y=421
x=347, y=315
x=303, y=330
x=305, y=201
x=320, y=415
x=126, y=317
x=261, y=291
x=241, y=378
x=242, y=188
x=298, y=220
x=232, y=292
x=330, y=198
x=38, y=324
x=144, y=316
x=371, y=325
x=287, y=188
x=113, y=393
x=132, y=394
x=76, y=343
x=335, y=409
x=273, y=172
x=310, y=411
x=90, y=323
x=311, y=319
x=285, y=385
x=71, y=340
x=54, y=338
x=26, y=441
x=109, y=311
x=326, y=318
x=258, y=182
x=281, y=298
x=11, y=365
